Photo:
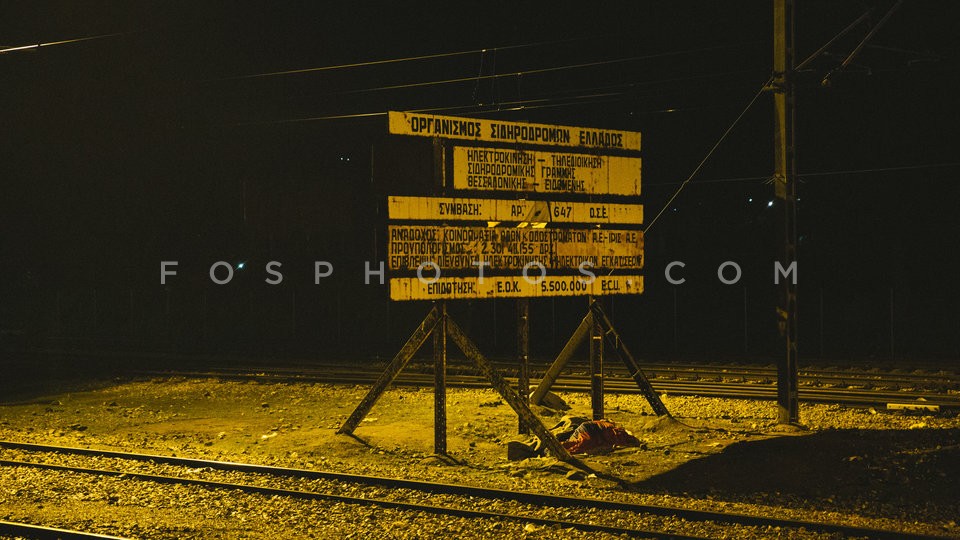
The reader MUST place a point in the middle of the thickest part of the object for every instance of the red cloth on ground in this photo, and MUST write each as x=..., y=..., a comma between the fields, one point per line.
x=598, y=436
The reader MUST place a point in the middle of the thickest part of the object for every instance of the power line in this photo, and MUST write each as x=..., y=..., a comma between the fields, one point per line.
x=528, y=104
x=668, y=110
x=882, y=169
x=588, y=100
x=713, y=181
x=398, y=60
x=312, y=119
x=819, y=173
x=833, y=40
x=710, y=153
x=856, y=51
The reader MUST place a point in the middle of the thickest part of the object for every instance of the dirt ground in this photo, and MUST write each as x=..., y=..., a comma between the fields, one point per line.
x=852, y=465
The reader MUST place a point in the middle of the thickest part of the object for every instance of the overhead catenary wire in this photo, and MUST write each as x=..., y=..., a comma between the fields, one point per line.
x=524, y=105
x=527, y=72
x=856, y=51
x=476, y=79
x=417, y=58
x=61, y=42
x=532, y=103
x=838, y=172
x=816, y=54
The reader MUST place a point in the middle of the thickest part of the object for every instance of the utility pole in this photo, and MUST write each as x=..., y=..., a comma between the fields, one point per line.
x=785, y=186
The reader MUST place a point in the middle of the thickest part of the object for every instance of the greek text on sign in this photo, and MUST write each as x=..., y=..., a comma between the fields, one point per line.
x=473, y=288
x=504, y=169
x=466, y=209
x=507, y=248
x=475, y=129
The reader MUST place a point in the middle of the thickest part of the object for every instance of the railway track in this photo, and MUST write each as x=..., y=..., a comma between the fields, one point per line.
x=849, y=388
x=898, y=378
x=944, y=381
x=860, y=387
x=455, y=500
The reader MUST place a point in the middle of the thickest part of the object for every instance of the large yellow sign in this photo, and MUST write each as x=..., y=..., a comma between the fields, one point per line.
x=507, y=169
x=524, y=211
x=474, y=288
x=527, y=239
x=501, y=131
x=411, y=247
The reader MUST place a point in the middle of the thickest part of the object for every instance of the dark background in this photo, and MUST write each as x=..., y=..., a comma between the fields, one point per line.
x=123, y=151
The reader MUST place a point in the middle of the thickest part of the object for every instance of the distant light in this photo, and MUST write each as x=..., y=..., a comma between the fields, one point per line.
x=674, y=209
x=769, y=204
x=750, y=199
x=241, y=265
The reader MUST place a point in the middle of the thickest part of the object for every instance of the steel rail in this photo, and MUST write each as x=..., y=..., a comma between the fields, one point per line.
x=614, y=376
x=41, y=532
x=669, y=370
x=541, y=499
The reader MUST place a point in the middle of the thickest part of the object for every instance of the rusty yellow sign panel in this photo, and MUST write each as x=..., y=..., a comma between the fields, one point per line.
x=469, y=209
x=506, y=169
x=507, y=248
x=477, y=129
x=473, y=288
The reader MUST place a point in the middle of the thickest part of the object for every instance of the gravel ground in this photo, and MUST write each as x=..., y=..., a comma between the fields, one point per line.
x=853, y=466
x=95, y=489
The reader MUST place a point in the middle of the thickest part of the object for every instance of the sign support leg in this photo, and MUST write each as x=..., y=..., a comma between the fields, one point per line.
x=596, y=366
x=508, y=394
x=633, y=367
x=550, y=377
x=523, y=355
x=399, y=361
x=440, y=383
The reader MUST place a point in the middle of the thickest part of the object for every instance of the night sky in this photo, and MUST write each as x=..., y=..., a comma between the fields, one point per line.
x=170, y=141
